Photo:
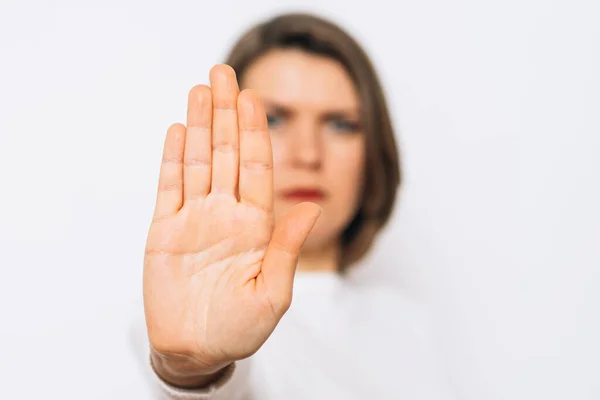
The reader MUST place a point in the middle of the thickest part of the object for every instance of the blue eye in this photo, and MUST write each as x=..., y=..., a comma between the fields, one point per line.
x=344, y=125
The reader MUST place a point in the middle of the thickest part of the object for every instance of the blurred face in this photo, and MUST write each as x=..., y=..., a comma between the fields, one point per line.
x=316, y=134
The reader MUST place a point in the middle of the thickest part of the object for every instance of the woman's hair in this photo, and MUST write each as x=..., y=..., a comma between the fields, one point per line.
x=382, y=177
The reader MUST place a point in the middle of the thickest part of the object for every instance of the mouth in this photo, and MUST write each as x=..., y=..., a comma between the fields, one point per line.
x=304, y=194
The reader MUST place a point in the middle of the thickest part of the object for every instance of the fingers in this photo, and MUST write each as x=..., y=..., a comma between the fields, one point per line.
x=256, y=156
x=282, y=253
x=198, y=153
x=170, y=183
x=225, y=141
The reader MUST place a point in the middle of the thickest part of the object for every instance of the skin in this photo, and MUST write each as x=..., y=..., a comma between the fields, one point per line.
x=223, y=246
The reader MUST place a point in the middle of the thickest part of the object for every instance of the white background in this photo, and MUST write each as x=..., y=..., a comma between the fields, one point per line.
x=498, y=229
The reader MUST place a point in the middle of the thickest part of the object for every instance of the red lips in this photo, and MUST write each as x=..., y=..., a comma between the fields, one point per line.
x=303, y=194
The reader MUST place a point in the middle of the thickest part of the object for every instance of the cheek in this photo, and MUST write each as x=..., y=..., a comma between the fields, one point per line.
x=344, y=168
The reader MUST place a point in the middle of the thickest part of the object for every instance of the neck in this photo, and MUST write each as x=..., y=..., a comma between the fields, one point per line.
x=324, y=259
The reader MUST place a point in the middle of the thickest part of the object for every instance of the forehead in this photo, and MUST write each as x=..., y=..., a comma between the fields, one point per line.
x=301, y=80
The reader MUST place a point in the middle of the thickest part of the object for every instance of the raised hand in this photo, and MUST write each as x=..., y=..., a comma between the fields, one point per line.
x=218, y=271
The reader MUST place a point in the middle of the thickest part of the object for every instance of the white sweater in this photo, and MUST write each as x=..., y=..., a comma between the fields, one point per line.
x=341, y=339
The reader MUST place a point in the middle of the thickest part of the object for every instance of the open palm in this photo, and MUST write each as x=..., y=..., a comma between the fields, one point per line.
x=218, y=271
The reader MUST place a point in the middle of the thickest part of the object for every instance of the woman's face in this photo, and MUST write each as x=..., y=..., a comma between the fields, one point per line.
x=316, y=134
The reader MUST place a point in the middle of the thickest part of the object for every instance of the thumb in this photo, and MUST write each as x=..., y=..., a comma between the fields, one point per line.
x=281, y=257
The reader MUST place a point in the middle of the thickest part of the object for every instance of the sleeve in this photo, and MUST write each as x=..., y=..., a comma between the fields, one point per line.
x=232, y=385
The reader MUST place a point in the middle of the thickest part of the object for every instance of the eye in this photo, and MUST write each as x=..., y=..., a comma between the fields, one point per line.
x=344, y=125
x=274, y=120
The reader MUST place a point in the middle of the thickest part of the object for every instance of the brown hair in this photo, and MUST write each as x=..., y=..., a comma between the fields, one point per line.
x=382, y=173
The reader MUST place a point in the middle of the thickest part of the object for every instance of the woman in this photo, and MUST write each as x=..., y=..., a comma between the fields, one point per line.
x=304, y=160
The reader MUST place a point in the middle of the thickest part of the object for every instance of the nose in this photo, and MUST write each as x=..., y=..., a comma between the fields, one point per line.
x=305, y=145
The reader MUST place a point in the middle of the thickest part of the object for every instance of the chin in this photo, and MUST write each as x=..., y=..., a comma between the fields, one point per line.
x=313, y=243
x=324, y=233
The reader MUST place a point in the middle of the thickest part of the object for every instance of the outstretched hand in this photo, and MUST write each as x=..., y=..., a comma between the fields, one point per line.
x=218, y=271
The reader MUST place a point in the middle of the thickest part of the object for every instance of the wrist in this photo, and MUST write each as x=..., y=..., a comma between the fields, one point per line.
x=185, y=371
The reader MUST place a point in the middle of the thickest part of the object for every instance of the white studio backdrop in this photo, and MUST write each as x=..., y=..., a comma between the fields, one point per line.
x=498, y=229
